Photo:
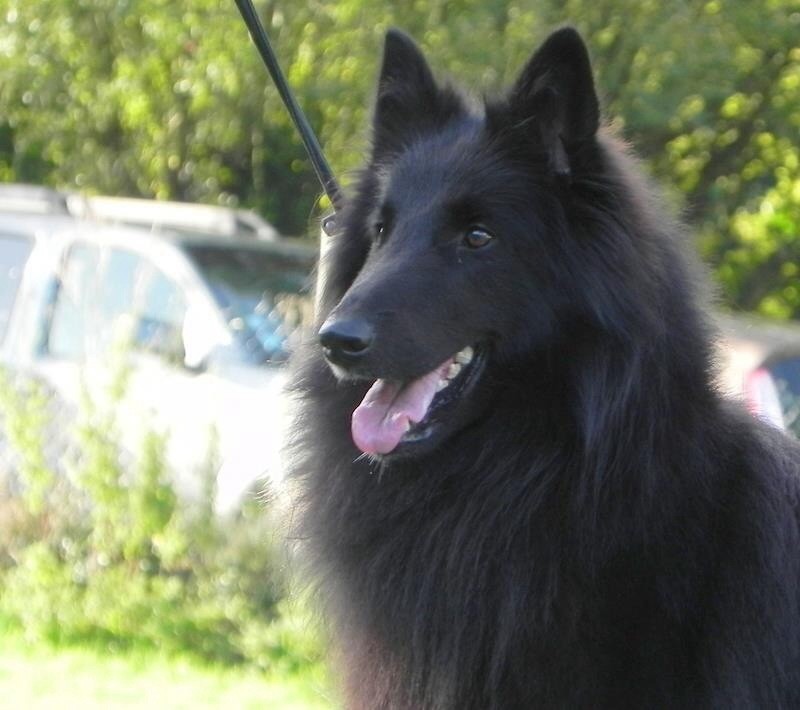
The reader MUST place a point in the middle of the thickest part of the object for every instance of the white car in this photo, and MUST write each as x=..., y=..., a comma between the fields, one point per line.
x=204, y=320
x=760, y=363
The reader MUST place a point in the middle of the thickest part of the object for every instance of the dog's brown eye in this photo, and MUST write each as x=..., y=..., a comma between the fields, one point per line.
x=477, y=237
x=380, y=229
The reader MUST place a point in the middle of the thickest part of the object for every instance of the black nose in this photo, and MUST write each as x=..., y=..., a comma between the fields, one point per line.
x=344, y=342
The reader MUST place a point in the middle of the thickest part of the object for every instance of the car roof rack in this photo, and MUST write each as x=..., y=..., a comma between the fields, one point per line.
x=178, y=216
x=32, y=199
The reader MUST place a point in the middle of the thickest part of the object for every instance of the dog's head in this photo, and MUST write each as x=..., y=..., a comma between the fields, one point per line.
x=451, y=256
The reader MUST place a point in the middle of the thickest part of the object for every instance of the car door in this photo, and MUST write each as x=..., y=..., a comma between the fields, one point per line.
x=118, y=317
x=176, y=399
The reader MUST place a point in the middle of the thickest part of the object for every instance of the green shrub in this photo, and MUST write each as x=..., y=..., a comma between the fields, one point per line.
x=106, y=554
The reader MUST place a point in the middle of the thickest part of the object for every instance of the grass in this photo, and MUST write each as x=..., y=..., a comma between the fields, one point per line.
x=38, y=677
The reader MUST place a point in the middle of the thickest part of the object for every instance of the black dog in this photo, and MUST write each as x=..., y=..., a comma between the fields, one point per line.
x=522, y=489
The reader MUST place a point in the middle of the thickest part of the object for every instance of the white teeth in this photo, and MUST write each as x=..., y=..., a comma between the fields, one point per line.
x=453, y=370
x=464, y=357
x=460, y=360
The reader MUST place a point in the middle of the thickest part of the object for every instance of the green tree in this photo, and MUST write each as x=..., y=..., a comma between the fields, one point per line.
x=168, y=99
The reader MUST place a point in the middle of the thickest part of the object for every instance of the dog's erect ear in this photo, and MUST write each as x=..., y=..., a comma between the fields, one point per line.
x=408, y=99
x=555, y=92
x=404, y=68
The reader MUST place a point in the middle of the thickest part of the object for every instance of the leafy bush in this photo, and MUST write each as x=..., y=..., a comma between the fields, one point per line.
x=92, y=551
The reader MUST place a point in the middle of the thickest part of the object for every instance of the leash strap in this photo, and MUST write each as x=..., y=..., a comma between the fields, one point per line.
x=321, y=167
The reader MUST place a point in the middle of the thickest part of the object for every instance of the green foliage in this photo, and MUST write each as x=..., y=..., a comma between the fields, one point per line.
x=169, y=99
x=25, y=429
x=105, y=555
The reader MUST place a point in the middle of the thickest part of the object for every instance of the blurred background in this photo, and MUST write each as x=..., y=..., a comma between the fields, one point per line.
x=158, y=230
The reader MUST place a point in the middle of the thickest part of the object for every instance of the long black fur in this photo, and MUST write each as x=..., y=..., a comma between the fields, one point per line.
x=598, y=527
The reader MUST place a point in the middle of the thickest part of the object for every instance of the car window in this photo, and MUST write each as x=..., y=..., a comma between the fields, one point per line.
x=159, y=324
x=116, y=298
x=786, y=376
x=122, y=278
x=96, y=301
x=71, y=325
x=14, y=252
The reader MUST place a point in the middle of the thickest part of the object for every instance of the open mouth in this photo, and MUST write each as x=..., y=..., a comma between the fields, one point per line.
x=396, y=413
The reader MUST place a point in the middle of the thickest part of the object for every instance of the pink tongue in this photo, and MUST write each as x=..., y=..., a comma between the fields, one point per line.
x=389, y=409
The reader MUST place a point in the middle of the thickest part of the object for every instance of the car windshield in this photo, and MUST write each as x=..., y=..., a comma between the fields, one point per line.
x=262, y=293
x=786, y=375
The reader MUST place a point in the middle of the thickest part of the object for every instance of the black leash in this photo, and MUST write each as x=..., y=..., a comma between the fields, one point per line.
x=321, y=167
